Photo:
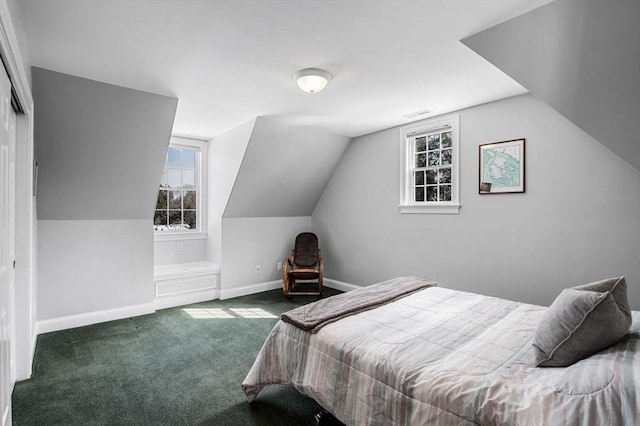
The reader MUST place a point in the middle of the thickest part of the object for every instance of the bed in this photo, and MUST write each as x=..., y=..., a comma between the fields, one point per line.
x=437, y=356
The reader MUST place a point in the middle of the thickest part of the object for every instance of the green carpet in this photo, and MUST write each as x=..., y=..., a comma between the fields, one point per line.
x=166, y=368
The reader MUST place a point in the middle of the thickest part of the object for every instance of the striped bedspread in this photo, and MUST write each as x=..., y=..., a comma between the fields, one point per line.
x=444, y=357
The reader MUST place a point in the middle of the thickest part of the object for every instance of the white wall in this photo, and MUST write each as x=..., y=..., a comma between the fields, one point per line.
x=225, y=157
x=262, y=241
x=21, y=39
x=87, y=266
x=578, y=221
x=168, y=253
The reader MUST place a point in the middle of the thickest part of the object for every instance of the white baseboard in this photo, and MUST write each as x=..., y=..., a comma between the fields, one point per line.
x=249, y=289
x=89, y=318
x=273, y=285
x=32, y=349
x=72, y=321
x=185, y=299
x=339, y=285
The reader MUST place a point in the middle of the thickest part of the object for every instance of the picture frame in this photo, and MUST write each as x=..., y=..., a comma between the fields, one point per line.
x=502, y=167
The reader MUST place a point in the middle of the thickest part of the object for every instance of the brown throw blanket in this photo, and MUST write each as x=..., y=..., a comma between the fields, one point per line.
x=316, y=315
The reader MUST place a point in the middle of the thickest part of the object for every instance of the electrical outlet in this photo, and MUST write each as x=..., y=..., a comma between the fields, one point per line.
x=180, y=247
x=279, y=266
x=257, y=269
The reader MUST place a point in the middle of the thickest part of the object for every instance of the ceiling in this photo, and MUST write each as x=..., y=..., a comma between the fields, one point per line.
x=230, y=61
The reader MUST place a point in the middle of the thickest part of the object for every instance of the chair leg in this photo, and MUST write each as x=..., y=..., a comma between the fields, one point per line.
x=326, y=418
x=285, y=277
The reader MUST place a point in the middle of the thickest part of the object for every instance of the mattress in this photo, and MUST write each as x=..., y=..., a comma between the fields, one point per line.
x=446, y=357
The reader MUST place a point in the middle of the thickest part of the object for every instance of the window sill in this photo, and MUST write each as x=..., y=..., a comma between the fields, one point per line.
x=173, y=236
x=429, y=208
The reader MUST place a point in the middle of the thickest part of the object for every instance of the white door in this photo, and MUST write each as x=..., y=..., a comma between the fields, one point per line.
x=7, y=247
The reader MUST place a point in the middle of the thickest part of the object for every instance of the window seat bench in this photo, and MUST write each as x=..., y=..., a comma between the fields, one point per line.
x=183, y=283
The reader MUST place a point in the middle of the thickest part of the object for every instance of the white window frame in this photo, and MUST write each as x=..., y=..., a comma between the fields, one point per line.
x=407, y=137
x=201, y=188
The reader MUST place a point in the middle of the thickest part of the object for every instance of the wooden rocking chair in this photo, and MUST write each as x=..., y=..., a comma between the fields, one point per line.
x=302, y=271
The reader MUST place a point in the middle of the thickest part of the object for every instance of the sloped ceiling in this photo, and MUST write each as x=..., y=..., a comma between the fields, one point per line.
x=580, y=57
x=284, y=170
x=100, y=148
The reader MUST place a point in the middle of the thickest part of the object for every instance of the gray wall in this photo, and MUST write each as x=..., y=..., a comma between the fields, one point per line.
x=265, y=178
x=99, y=147
x=578, y=221
x=284, y=170
x=100, y=150
x=583, y=59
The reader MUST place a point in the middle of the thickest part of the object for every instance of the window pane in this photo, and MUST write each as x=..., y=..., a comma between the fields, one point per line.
x=434, y=158
x=434, y=142
x=178, y=193
x=444, y=175
x=447, y=142
x=173, y=157
x=175, y=200
x=160, y=219
x=174, y=178
x=189, y=200
x=188, y=159
x=430, y=156
x=161, y=204
x=190, y=219
x=188, y=179
x=445, y=193
x=446, y=157
x=163, y=179
x=432, y=193
x=432, y=176
x=175, y=219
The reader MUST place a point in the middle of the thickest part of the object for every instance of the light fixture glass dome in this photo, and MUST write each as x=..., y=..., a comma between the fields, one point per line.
x=312, y=80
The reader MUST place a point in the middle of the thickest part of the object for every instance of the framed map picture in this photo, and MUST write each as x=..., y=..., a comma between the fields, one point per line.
x=502, y=167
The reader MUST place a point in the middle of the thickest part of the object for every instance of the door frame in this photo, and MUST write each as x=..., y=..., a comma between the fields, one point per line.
x=25, y=233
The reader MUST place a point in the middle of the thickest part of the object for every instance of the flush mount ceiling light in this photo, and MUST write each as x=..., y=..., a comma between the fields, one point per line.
x=312, y=80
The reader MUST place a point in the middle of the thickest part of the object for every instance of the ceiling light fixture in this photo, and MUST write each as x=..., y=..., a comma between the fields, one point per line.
x=312, y=80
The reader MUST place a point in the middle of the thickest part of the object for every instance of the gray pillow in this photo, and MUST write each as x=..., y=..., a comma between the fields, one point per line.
x=581, y=321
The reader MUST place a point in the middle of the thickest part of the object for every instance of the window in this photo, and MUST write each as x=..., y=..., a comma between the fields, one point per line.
x=429, y=181
x=180, y=205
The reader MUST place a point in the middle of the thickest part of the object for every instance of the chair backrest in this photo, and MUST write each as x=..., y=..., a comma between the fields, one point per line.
x=306, y=249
